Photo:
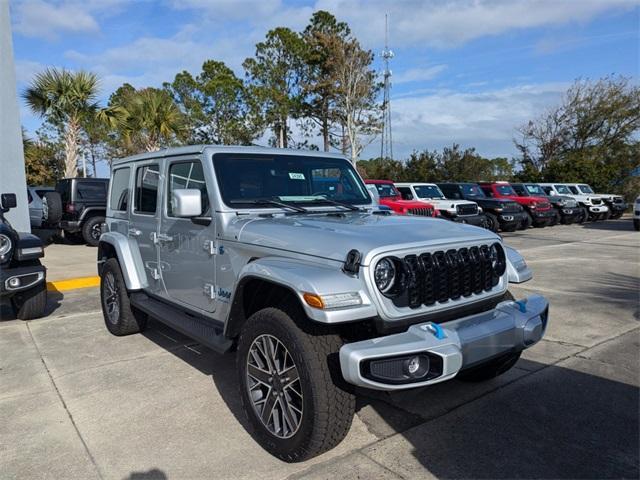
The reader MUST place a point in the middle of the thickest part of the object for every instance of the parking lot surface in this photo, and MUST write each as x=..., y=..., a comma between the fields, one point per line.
x=78, y=403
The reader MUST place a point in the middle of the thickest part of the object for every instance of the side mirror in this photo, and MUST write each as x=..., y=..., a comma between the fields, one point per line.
x=8, y=201
x=186, y=203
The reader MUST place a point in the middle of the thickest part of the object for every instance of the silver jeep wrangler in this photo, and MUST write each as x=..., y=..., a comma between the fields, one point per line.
x=283, y=256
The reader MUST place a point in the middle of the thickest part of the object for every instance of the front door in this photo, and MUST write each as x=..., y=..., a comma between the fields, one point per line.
x=187, y=250
x=145, y=222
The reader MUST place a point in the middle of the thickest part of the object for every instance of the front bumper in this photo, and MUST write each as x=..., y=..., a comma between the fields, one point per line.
x=598, y=209
x=542, y=215
x=26, y=276
x=510, y=218
x=618, y=207
x=452, y=346
x=478, y=220
x=570, y=212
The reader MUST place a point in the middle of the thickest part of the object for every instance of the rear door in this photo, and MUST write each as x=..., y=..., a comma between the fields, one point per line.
x=187, y=250
x=144, y=224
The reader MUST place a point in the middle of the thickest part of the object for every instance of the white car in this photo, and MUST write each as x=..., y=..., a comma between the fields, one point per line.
x=593, y=205
x=463, y=211
x=636, y=214
x=616, y=203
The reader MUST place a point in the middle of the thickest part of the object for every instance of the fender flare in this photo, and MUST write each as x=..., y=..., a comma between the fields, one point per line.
x=128, y=256
x=517, y=269
x=299, y=277
x=87, y=212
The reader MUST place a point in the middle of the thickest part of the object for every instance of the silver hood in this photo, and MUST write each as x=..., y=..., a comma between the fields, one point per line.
x=331, y=236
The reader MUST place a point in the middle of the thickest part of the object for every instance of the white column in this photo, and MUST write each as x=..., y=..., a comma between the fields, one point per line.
x=12, y=177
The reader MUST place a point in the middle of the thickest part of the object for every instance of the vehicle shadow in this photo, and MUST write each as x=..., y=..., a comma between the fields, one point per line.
x=153, y=474
x=617, y=225
x=549, y=422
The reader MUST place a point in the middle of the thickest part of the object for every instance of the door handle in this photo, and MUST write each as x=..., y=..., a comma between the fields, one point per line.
x=134, y=232
x=162, y=237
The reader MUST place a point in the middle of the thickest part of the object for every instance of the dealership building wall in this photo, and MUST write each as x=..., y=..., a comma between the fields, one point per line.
x=12, y=176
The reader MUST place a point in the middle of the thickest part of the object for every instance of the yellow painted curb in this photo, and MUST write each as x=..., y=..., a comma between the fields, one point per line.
x=73, y=284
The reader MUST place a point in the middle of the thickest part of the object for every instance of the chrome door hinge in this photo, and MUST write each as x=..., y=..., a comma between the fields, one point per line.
x=210, y=291
x=210, y=247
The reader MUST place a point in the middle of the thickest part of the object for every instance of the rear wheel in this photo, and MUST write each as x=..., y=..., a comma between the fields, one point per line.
x=92, y=229
x=119, y=316
x=288, y=388
x=555, y=219
x=31, y=303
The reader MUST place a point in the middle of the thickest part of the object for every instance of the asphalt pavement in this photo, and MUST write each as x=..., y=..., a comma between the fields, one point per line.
x=78, y=403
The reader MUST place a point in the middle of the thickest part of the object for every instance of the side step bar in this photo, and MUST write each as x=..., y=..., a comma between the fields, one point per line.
x=203, y=331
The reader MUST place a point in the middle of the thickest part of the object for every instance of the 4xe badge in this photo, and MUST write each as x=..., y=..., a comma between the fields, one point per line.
x=223, y=295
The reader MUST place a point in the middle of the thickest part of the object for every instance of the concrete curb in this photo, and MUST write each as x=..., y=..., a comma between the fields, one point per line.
x=73, y=284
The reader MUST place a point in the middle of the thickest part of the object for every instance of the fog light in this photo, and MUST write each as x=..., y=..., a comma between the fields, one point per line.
x=404, y=368
x=14, y=282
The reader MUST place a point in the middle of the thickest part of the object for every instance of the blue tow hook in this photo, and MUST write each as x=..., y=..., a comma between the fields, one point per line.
x=522, y=305
x=436, y=330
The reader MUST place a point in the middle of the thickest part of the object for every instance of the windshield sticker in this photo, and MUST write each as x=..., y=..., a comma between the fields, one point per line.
x=296, y=176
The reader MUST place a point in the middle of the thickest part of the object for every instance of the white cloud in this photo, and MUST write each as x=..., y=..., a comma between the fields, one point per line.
x=454, y=22
x=484, y=120
x=48, y=20
x=418, y=74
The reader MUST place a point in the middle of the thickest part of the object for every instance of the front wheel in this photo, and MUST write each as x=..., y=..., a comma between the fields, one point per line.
x=582, y=216
x=491, y=222
x=31, y=303
x=528, y=221
x=555, y=220
x=288, y=388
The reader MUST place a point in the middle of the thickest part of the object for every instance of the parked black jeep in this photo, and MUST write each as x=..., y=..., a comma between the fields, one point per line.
x=505, y=215
x=22, y=276
x=566, y=208
x=83, y=205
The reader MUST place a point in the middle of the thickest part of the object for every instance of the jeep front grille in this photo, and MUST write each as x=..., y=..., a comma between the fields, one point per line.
x=596, y=201
x=511, y=207
x=544, y=206
x=440, y=276
x=423, y=212
x=467, y=209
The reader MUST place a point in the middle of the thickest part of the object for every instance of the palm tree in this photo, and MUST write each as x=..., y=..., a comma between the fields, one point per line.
x=65, y=98
x=146, y=119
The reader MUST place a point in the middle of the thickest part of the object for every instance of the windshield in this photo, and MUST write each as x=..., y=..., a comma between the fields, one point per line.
x=563, y=190
x=505, y=190
x=386, y=189
x=536, y=190
x=472, y=190
x=428, y=191
x=585, y=188
x=244, y=178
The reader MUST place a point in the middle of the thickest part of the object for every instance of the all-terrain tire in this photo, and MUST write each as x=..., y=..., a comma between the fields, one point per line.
x=91, y=230
x=31, y=303
x=528, y=220
x=490, y=369
x=492, y=222
x=51, y=208
x=556, y=219
x=584, y=215
x=327, y=409
x=126, y=319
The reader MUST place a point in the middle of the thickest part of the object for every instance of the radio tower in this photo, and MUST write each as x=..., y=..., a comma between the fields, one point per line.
x=386, y=149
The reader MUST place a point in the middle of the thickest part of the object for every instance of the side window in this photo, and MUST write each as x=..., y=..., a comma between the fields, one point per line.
x=574, y=190
x=406, y=193
x=548, y=190
x=147, y=189
x=487, y=191
x=92, y=190
x=119, y=199
x=519, y=189
x=187, y=175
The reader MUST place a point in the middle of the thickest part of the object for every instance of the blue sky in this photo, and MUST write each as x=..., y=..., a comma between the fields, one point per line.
x=465, y=71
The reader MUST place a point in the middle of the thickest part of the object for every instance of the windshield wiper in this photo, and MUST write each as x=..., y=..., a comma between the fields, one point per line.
x=267, y=201
x=337, y=203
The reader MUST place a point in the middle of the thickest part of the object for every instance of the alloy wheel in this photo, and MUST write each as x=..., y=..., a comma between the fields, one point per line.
x=273, y=384
x=111, y=297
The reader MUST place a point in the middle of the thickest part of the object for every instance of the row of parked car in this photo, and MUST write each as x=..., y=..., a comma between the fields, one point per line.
x=500, y=205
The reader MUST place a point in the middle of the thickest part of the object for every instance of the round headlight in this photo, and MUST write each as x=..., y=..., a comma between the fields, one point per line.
x=5, y=245
x=498, y=262
x=384, y=274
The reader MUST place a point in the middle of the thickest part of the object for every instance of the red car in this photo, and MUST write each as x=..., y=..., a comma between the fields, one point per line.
x=390, y=197
x=539, y=211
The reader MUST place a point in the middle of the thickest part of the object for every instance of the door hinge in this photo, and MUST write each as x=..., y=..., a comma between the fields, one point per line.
x=155, y=274
x=210, y=291
x=210, y=247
